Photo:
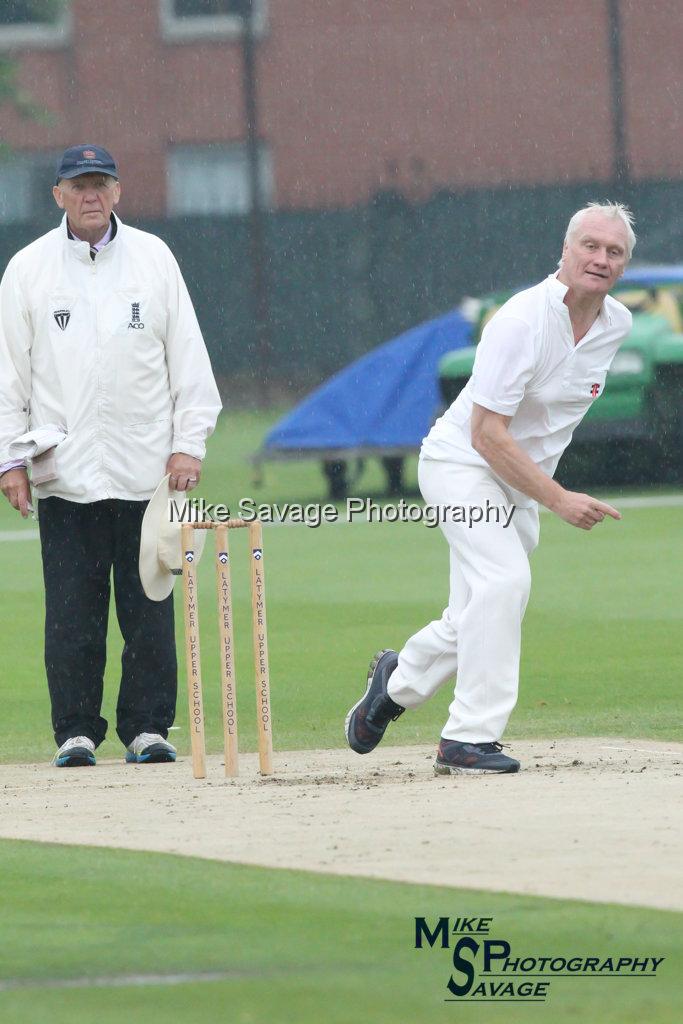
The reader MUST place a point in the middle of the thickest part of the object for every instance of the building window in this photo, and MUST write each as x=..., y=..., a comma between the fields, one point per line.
x=209, y=19
x=26, y=181
x=209, y=8
x=214, y=179
x=33, y=23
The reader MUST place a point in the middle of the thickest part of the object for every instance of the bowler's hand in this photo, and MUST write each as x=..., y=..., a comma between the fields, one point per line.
x=583, y=511
x=184, y=470
x=16, y=488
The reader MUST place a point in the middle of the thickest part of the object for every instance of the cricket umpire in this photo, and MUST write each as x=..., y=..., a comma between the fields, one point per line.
x=539, y=367
x=101, y=361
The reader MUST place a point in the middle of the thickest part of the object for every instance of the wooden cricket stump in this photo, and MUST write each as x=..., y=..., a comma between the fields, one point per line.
x=193, y=661
x=227, y=647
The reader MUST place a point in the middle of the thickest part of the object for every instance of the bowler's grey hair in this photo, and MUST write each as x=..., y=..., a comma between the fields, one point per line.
x=617, y=211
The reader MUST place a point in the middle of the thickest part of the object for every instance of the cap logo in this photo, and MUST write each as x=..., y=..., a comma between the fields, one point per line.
x=89, y=154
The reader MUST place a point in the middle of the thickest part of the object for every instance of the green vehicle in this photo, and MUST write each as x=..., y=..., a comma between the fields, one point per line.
x=634, y=433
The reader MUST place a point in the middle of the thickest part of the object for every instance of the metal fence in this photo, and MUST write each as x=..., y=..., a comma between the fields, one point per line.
x=342, y=281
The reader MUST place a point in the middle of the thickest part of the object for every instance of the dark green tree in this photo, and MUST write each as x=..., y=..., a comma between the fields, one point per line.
x=12, y=94
x=20, y=12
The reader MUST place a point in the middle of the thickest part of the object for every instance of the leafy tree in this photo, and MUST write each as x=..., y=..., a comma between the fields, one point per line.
x=19, y=12
x=11, y=93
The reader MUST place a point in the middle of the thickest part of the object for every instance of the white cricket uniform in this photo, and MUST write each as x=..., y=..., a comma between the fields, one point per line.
x=527, y=367
x=110, y=352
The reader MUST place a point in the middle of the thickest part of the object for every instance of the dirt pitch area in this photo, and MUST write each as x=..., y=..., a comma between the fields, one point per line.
x=596, y=819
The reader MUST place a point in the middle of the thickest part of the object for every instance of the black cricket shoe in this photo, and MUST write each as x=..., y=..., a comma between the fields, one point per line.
x=367, y=720
x=454, y=758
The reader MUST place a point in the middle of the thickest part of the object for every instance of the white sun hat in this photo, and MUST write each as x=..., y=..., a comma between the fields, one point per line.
x=161, y=557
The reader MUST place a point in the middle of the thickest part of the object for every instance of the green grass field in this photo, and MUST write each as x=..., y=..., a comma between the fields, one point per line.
x=293, y=946
x=601, y=641
x=601, y=656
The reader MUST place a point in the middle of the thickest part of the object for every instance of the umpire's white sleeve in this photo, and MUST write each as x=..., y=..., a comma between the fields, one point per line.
x=195, y=396
x=15, y=361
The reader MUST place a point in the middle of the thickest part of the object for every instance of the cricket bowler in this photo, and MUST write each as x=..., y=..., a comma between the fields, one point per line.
x=541, y=363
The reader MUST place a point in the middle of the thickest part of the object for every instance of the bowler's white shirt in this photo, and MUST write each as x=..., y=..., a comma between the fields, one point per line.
x=528, y=367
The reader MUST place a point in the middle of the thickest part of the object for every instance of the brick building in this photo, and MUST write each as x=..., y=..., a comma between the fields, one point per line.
x=354, y=95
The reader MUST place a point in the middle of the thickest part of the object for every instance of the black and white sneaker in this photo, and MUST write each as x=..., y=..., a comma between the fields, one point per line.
x=76, y=752
x=367, y=720
x=150, y=748
x=454, y=758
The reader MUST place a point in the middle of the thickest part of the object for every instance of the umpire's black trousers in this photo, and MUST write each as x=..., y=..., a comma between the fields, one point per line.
x=81, y=544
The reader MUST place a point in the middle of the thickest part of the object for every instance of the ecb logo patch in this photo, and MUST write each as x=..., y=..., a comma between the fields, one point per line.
x=222, y=557
x=258, y=554
x=135, y=322
x=62, y=316
x=189, y=556
x=595, y=390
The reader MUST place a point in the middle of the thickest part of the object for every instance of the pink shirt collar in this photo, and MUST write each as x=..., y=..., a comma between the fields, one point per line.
x=106, y=237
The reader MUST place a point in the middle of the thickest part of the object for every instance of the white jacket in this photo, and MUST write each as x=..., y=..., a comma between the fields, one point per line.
x=111, y=350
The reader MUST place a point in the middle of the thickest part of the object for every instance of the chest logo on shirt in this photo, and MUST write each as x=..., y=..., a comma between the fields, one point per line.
x=62, y=316
x=135, y=322
x=595, y=390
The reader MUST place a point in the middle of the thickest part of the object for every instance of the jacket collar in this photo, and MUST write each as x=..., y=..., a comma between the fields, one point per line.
x=81, y=249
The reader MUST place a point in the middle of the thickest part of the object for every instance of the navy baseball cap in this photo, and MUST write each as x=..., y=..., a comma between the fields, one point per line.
x=86, y=160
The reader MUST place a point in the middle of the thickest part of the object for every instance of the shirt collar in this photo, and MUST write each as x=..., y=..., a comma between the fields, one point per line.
x=106, y=237
x=558, y=290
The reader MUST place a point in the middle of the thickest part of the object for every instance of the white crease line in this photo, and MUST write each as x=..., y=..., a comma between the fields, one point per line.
x=19, y=535
x=657, y=501
x=643, y=750
x=653, y=501
x=118, y=981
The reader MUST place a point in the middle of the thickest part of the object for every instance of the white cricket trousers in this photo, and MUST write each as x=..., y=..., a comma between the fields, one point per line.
x=478, y=637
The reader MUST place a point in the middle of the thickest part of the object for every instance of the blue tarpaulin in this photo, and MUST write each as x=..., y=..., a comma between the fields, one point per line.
x=384, y=402
x=651, y=276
